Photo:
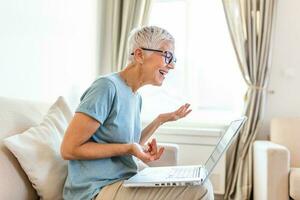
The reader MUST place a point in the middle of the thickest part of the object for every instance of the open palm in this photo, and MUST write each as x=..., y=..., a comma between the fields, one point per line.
x=181, y=112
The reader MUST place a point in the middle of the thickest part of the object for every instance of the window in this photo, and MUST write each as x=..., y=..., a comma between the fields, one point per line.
x=206, y=74
x=68, y=51
x=48, y=48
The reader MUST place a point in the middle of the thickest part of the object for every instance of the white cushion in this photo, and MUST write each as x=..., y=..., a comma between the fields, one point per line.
x=38, y=151
x=271, y=165
x=16, y=116
x=286, y=131
x=295, y=183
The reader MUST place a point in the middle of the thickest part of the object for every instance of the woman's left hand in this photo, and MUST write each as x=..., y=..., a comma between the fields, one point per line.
x=147, y=153
x=181, y=112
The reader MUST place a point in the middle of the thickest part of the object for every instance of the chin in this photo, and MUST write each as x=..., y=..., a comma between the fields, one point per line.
x=157, y=83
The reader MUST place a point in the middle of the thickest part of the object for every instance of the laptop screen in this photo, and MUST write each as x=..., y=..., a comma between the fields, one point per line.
x=223, y=144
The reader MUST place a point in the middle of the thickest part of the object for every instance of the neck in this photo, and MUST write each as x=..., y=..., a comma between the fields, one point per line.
x=132, y=76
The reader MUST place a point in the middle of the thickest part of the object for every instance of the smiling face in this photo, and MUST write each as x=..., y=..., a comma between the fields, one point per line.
x=154, y=68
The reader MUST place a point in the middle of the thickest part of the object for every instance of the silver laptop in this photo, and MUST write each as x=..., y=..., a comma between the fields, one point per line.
x=186, y=175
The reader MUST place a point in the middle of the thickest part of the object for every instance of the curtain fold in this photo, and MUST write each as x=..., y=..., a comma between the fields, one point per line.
x=118, y=18
x=250, y=26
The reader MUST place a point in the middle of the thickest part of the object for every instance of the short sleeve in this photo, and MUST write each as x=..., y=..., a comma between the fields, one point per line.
x=97, y=100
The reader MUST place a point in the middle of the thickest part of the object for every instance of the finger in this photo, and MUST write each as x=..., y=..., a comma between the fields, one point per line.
x=152, y=152
x=186, y=106
x=179, y=112
x=160, y=152
x=149, y=147
x=182, y=112
x=180, y=108
x=187, y=112
x=154, y=147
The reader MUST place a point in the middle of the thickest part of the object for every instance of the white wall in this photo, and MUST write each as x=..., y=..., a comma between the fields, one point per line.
x=285, y=72
x=48, y=48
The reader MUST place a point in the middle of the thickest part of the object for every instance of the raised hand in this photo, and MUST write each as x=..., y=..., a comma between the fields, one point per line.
x=181, y=112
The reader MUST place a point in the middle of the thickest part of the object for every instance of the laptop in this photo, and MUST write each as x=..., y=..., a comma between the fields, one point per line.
x=186, y=175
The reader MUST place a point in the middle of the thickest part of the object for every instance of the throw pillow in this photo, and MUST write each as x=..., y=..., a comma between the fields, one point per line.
x=38, y=151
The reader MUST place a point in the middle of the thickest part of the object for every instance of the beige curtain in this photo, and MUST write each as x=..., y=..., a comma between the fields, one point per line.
x=250, y=25
x=118, y=18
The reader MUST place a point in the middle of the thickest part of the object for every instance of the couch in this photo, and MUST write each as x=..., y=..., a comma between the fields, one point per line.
x=18, y=115
x=276, y=166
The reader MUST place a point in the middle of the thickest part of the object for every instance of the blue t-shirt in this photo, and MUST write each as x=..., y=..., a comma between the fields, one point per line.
x=110, y=101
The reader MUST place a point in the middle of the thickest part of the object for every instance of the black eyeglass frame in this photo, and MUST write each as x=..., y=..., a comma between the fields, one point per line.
x=169, y=57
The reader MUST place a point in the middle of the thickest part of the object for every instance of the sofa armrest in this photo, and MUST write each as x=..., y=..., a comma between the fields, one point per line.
x=271, y=165
x=168, y=158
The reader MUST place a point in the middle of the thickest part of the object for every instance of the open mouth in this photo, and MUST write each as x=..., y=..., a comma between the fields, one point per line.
x=162, y=72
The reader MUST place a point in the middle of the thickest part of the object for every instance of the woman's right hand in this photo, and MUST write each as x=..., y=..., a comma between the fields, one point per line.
x=147, y=154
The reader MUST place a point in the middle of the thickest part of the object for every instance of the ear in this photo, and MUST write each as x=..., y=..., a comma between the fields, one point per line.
x=139, y=55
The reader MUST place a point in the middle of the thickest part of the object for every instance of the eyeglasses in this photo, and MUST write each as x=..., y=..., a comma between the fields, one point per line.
x=169, y=57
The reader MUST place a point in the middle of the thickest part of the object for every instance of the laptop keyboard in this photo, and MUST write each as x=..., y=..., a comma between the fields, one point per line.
x=185, y=172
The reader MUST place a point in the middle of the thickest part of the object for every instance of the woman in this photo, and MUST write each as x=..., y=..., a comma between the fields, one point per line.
x=105, y=133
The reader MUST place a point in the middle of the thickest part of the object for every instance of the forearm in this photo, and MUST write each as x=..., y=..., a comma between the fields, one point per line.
x=150, y=129
x=93, y=150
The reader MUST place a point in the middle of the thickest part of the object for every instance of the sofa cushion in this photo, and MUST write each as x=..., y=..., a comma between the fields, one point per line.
x=286, y=131
x=38, y=151
x=295, y=183
x=16, y=116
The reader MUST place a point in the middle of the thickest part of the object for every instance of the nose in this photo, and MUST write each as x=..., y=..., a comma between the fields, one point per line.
x=171, y=66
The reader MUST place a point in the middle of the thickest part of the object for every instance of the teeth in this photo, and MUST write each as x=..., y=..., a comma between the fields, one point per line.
x=162, y=72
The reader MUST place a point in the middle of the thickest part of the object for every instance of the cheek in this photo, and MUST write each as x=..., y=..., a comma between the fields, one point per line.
x=153, y=66
x=152, y=69
x=157, y=61
x=153, y=72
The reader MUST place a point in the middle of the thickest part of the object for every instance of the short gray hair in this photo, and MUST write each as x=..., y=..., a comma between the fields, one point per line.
x=148, y=37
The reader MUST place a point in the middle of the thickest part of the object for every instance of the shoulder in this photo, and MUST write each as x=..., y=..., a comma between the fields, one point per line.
x=102, y=86
x=104, y=83
x=111, y=80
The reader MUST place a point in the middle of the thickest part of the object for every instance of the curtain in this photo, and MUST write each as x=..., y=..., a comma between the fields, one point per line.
x=118, y=18
x=250, y=26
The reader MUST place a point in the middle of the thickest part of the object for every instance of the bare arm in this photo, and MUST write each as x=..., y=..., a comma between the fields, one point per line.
x=162, y=118
x=75, y=145
x=150, y=129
